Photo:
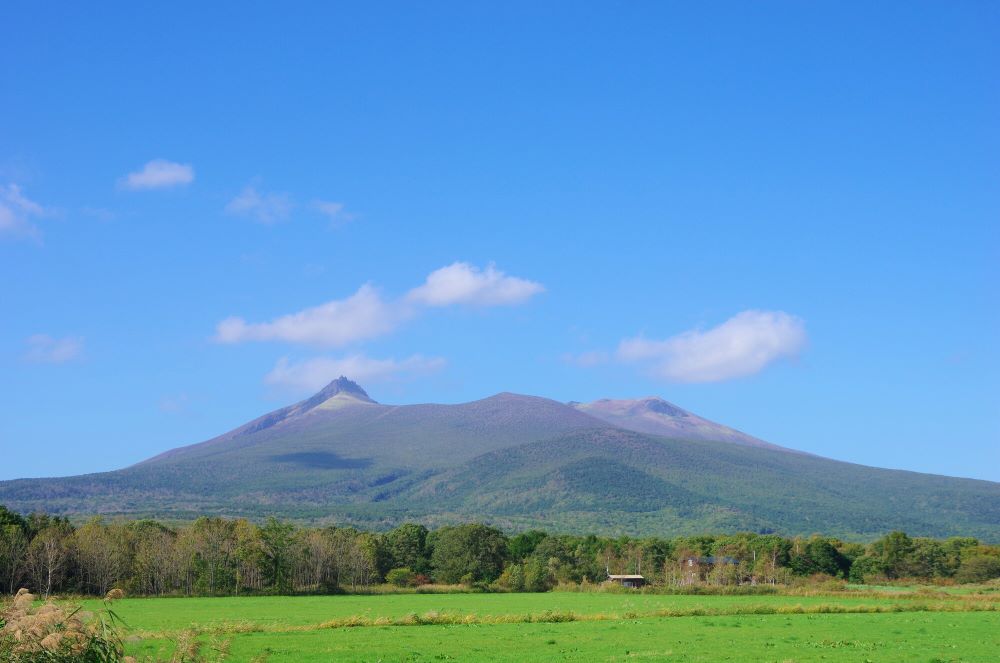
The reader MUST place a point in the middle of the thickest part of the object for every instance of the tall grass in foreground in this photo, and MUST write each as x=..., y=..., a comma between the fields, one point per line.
x=61, y=633
x=54, y=633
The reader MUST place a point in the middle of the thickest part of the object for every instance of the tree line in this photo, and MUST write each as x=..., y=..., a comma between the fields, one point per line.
x=219, y=556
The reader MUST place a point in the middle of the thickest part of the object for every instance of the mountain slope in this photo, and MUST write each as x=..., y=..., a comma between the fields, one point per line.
x=656, y=416
x=518, y=461
x=615, y=479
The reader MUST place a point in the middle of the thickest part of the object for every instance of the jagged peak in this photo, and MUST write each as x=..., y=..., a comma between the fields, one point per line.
x=343, y=385
x=647, y=404
x=657, y=404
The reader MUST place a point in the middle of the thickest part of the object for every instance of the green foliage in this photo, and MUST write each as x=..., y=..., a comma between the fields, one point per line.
x=512, y=578
x=866, y=569
x=468, y=552
x=218, y=556
x=406, y=546
x=537, y=575
x=276, y=543
x=10, y=519
x=979, y=568
x=894, y=551
x=401, y=577
x=523, y=544
x=819, y=555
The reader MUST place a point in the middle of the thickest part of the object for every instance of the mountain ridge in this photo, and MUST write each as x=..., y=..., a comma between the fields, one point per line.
x=519, y=461
x=657, y=416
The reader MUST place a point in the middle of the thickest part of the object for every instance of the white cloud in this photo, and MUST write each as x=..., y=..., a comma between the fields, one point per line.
x=159, y=174
x=44, y=349
x=264, y=207
x=462, y=283
x=313, y=374
x=365, y=314
x=335, y=212
x=361, y=316
x=743, y=345
x=17, y=212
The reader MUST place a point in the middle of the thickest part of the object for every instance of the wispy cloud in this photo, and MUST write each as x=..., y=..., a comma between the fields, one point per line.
x=363, y=315
x=265, y=208
x=313, y=374
x=741, y=346
x=367, y=314
x=159, y=174
x=17, y=213
x=44, y=349
x=335, y=213
x=462, y=283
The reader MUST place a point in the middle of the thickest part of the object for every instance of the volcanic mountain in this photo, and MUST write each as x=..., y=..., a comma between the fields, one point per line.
x=638, y=467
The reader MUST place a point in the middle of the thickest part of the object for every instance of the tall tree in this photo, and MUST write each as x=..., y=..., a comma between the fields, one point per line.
x=276, y=544
x=406, y=546
x=469, y=551
x=13, y=549
x=48, y=557
x=102, y=554
x=214, y=541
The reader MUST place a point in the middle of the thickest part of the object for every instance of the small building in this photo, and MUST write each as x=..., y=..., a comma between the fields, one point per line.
x=631, y=581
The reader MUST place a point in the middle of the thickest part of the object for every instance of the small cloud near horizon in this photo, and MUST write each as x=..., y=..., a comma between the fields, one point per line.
x=45, y=349
x=158, y=174
x=313, y=374
x=743, y=345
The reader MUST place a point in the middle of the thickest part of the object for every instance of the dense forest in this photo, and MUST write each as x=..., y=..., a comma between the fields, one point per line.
x=218, y=556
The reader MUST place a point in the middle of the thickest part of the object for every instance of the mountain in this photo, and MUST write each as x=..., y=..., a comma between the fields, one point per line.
x=656, y=416
x=638, y=467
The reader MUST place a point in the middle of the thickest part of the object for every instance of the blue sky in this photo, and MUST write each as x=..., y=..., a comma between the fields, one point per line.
x=782, y=216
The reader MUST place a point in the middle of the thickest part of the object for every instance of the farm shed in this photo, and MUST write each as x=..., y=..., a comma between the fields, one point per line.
x=633, y=581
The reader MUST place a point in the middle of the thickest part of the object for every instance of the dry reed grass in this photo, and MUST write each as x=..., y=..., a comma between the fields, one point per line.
x=56, y=633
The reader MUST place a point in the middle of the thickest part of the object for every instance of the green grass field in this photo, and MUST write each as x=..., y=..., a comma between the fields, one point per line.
x=572, y=626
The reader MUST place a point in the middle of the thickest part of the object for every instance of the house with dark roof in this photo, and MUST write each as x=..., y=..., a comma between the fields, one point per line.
x=633, y=581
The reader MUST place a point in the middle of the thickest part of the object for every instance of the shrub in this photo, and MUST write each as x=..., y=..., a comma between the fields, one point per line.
x=402, y=577
x=978, y=569
x=512, y=578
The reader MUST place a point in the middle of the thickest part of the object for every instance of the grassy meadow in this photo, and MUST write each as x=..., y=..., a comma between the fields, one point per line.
x=908, y=625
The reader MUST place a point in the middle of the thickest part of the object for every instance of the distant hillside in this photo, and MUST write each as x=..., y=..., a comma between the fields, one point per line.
x=518, y=461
